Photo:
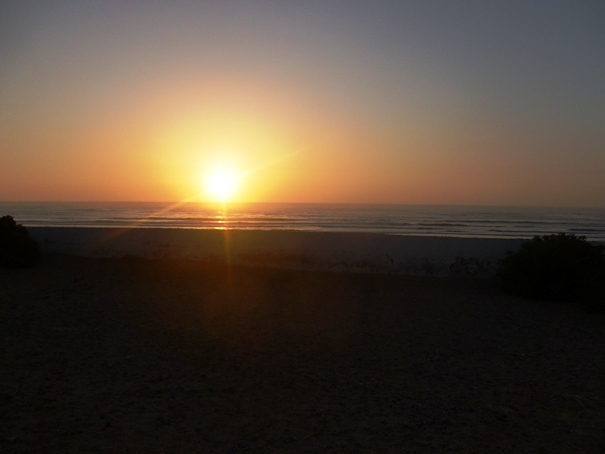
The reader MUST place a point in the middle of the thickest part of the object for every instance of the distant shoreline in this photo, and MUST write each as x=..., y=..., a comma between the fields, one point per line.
x=365, y=252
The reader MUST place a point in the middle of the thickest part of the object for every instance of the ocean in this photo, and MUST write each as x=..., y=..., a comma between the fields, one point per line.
x=424, y=220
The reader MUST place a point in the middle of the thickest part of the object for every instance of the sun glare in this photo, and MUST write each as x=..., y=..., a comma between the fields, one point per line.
x=221, y=185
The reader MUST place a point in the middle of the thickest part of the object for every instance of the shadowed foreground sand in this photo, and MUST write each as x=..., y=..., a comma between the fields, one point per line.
x=125, y=355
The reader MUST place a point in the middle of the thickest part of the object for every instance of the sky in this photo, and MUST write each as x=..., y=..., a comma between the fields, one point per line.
x=433, y=102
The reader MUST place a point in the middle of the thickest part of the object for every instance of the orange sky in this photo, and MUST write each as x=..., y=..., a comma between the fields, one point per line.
x=466, y=104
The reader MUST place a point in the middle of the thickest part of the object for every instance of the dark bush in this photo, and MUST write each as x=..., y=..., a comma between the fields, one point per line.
x=557, y=268
x=17, y=248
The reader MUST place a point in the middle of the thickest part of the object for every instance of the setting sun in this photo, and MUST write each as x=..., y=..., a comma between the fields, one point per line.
x=221, y=185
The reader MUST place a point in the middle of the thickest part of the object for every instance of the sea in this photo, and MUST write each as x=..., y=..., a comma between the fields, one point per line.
x=425, y=220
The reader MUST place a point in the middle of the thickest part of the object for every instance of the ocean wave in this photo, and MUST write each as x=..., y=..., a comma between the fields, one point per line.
x=502, y=222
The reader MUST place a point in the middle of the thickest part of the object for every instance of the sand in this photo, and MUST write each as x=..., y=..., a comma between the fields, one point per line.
x=159, y=356
x=337, y=251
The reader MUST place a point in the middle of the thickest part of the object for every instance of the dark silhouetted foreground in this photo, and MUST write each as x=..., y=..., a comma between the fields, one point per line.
x=135, y=356
x=17, y=248
x=557, y=268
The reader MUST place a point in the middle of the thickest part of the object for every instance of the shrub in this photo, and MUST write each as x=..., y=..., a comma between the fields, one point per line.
x=17, y=248
x=556, y=267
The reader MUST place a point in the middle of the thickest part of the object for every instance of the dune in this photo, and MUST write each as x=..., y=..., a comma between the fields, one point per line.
x=135, y=355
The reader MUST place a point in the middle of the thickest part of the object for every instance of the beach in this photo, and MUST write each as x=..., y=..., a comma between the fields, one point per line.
x=334, y=251
x=118, y=352
x=297, y=227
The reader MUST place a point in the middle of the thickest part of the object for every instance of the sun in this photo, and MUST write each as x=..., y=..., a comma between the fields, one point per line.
x=221, y=185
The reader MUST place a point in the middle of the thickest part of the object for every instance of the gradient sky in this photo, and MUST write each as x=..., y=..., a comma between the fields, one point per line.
x=441, y=102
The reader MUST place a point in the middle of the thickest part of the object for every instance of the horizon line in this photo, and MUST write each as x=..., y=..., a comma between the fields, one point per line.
x=309, y=203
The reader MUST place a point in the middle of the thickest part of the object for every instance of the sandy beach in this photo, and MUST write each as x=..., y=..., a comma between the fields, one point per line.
x=334, y=251
x=283, y=227
x=173, y=355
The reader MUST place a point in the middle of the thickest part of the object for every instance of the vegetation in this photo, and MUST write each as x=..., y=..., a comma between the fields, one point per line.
x=17, y=248
x=557, y=268
x=469, y=267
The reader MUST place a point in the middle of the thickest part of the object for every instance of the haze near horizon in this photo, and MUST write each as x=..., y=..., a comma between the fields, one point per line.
x=340, y=102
